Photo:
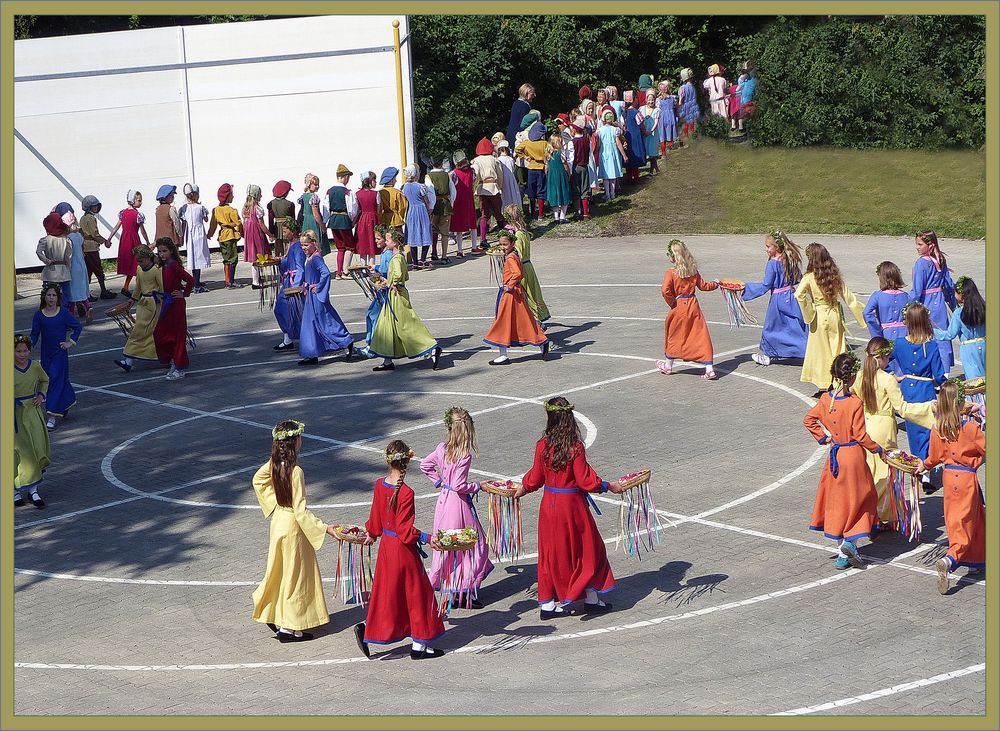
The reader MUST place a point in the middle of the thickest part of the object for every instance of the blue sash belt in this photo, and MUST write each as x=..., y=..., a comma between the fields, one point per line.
x=684, y=296
x=387, y=532
x=161, y=298
x=586, y=494
x=18, y=400
x=834, y=466
x=959, y=467
x=467, y=497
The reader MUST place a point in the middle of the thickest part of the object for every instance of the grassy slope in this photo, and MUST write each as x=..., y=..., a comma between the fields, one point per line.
x=712, y=187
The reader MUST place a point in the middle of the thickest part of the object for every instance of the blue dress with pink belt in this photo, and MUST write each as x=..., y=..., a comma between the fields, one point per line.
x=785, y=333
x=936, y=291
x=922, y=371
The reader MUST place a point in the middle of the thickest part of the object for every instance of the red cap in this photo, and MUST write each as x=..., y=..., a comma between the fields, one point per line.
x=225, y=190
x=54, y=225
x=281, y=188
x=563, y=117
x=484, y=147
x=584, y=92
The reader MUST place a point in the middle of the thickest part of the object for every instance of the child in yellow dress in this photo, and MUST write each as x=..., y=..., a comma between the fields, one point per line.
x=148, y=294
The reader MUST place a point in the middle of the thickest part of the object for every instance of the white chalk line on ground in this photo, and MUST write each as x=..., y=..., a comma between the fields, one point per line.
x=875, y=695
x=498, y=644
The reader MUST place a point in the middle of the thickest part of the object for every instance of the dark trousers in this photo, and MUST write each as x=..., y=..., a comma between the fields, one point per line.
x=93, y=260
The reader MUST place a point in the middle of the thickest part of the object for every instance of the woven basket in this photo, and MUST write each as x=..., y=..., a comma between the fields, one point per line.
x=465, y=546
x=734, y=284
x=893, y=457
x=975, y=386
x=635, y=479
x=344, y=533
x=503, y=489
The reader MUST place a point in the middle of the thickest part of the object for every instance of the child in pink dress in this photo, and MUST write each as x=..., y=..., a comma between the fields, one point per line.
x=364, y=233
x=448, y=467
x=131, y=222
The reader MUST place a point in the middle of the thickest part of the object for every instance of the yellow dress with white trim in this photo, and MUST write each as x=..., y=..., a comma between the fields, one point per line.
x=827, y=329
x=881, y=426
x=147, y=312
x=291, y=592
x=32, y=452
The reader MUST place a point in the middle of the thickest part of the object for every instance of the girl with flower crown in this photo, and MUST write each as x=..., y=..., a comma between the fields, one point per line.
x=514, y=324
x=572, y=560
x=148, y=294
x=402, y=603
x=879, y=393
x=959, y=446
x=448, y=468
x=845, y=504
x=920, y=364
x=968, y=324
x=685, y=331
x=32, y=451
x=934, y=288
x=290, y=597
x=785, y=333
x=522, y=244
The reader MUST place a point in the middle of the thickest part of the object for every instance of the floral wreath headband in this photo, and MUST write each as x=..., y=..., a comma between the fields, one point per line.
x=280, y=434
x=884, y=352
x=403, y=457
x=960, y=283
x=50, y=285
x=449, y=417
x=960, y=385
x=779, y=237
x=22, y=338
x=908, y=305
x=855, y=364
x=670, y=247
x=549, y=406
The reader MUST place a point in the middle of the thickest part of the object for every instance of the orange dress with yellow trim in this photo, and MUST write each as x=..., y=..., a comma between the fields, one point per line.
x=846, y=501
x=685, y=332
x=514, y=324
x=964, y=512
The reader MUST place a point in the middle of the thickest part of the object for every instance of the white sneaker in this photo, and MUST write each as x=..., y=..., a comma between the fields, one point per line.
x=761, y=359
x=51, y=423
x=174, y=375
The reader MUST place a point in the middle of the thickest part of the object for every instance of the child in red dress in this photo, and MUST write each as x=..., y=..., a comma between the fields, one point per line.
x=514, y=324
x=572, y=559
x=170, y=334
x=402, y=601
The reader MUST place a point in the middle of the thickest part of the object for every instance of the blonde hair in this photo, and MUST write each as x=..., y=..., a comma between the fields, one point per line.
x=307, y=235
x=684, y=262
x=248, y=206
x=919, y=329
x=515, y=216
x=867, y=390
x=310, y=179
x=461, y=436
x=525, y=89
x=948, y=421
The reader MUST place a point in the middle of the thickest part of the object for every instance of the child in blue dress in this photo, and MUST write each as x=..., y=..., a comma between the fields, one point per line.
x=934, y=288
x=785, y=333
x=968, y=324
x=51, y=324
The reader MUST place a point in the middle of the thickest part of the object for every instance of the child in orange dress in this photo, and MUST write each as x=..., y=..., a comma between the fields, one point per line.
x=959, y=445
x=846, y=500
x=686, y=333
x=514, y=324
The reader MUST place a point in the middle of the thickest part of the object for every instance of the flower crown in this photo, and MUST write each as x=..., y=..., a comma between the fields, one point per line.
x=779, y=238
x=141, y=251
x=50, y=285
x=855, y=363
x=549, y=406
x=403, y=457
x=908, y=305
x=280, y=434
x=960, y=385
x=290, y=223
x=878, y=269
x=670, y=247
x=22, y=338
x=449, y=417
x=884, y=352
x=396, y=234
x=960, y=283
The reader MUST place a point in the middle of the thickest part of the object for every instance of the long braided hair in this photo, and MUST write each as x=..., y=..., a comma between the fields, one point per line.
x=397, y=455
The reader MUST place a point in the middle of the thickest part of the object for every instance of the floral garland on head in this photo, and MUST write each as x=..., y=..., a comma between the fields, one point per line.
x=22, y=338
x=403, y=457
x=779, y=239
x=960, y=283
x=281, y=434
x=449, y=417
x=670, y=248
x=549, y=406
x=141, y=251
x=960, y=385
x=396, y=234
x=290, y=223
x=908, y=305
x=885, y=352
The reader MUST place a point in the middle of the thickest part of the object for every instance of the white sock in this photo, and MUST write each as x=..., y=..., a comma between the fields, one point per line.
x=475, y=238
x=387, y=361
x=549, y=605
x=591, y=597
x=669, y=362
x=418, y=646
x=348, y=258
x=709, y=369
x=285, y=631
x=458, y=242
x=256, y=275
x=17, y=495
x=129, y=361
x=285, y=340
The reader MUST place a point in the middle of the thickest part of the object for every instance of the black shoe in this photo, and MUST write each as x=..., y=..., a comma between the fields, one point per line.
x=553, y=614
x=18, y=501
x=476, y=604
x=126, y=292
x=289, y=637
x=499, y=361
x=123, y=365
x=91, y=299
x=108, y=295
x=255, y=286
x=350, y=351
x=284, y=346
x=436, y=357
x=359, y=635
x=385, y=367
x=596, y=608
x=309, y=361
x=545, y=349
x=427, y=653
x=272, y=626
x=37, y=501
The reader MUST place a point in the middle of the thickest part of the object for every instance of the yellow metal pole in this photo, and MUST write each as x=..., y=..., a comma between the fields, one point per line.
x=399, y=92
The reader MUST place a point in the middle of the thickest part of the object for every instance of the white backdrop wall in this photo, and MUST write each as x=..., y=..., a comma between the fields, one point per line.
x=240, y=103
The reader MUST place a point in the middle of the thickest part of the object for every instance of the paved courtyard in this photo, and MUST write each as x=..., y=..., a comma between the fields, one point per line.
x=133, y=585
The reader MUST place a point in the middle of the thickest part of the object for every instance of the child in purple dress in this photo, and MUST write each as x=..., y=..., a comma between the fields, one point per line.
x=448, y=467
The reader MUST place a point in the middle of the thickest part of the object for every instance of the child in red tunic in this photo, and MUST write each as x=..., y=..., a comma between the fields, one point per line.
x=572, y=560
x=514, y=324
x=170, y=335
x=685, y=330
x=846, y=500
x=960, y=446
x=402, y=601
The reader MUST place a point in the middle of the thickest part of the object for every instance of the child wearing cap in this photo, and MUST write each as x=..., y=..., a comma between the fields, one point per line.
x=667, y=104
x=364, y=232
x=510, y=191
x=488, y=185
x=463, y=213
x=194, y=216
x=132, y=223
x=168, y=223
x=716, y=86
x=649, y=123
x=343, y=214
x=418, y=216
x=92, y=241
x=688, y=101
x=533, y=152
x=444, y=199
x=255, y=232
x=278, y=209
x=79, y=286
x=227, y=220
x=55, y=251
